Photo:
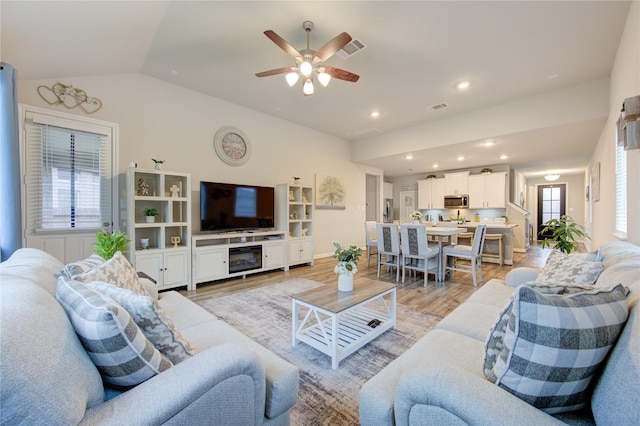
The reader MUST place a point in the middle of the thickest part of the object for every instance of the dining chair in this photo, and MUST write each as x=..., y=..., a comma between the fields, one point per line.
x=417, y=254
x=473, y=253
x=389, y=247
x=372, y=238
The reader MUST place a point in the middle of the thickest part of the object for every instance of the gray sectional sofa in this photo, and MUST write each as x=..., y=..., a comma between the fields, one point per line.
x=440, y=380
x=46, y=376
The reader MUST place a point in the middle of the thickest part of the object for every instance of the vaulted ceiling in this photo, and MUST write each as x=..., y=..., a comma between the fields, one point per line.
x=416, y=53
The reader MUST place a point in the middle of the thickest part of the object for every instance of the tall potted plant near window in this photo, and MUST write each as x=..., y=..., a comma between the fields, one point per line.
x=564, y=234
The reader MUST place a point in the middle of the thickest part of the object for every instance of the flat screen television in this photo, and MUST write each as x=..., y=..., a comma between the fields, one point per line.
x=230, y=207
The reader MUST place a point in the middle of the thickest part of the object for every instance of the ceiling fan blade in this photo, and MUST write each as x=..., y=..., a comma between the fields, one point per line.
x=341, y=74
x=330, y=49
x=284, y=45
x=276, y=71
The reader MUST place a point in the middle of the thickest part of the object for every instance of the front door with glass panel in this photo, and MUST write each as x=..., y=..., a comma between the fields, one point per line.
x=551, y=205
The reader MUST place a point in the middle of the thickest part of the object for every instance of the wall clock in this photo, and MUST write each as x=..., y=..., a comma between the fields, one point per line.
x=232, y=146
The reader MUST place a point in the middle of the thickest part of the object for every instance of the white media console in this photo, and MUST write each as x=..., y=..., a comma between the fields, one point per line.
x=233, y=254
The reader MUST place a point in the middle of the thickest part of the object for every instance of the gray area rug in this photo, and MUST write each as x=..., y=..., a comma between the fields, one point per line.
x=327, y=396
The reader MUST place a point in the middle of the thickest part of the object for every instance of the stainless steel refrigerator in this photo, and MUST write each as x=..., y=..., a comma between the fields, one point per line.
x=387, y=210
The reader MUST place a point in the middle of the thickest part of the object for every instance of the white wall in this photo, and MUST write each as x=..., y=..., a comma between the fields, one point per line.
x=625, y=82
x=163, y=121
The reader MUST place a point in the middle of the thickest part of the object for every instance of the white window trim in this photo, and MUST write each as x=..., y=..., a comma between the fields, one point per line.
x=82, y=123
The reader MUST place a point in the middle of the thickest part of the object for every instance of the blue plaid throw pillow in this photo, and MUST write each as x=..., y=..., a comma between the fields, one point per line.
x=554, y=344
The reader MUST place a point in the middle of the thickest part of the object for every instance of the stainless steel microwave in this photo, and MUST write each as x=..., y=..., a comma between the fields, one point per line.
x=456, y=201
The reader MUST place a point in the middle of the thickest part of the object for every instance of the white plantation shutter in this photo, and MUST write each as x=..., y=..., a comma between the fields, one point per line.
x=68, y=174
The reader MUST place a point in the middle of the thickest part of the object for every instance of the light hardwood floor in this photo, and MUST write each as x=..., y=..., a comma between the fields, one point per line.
x=439, y=299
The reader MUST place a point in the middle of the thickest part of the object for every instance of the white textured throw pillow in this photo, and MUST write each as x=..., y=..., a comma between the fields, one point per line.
x=554, y=344
x=565, y=269
x=151, y=319
x=117, y=271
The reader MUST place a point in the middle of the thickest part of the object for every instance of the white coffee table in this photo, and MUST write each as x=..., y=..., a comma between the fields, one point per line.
x=330, y=313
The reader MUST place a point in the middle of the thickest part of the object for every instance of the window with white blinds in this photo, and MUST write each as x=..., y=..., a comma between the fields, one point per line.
x=621, y=190
x=68, y=176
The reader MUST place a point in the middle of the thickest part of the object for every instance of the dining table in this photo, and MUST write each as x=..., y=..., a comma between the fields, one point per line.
x=441, y=232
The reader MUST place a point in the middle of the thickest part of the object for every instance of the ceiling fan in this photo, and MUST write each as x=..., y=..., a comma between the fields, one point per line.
x=309, y=62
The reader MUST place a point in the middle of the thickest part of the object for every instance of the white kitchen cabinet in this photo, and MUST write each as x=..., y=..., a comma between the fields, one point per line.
x=456, y=183
x=431, y=194
x=387, y=190
x=487, y=191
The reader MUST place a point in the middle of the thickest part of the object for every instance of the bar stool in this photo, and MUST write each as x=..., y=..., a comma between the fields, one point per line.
x=465, y=236
x=500, y=239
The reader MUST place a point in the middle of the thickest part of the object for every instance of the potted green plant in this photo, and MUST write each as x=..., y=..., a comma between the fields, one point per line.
x=432, y=176
x=107, y=244
x=564, y=234
x=486, y=171
x=151, y=214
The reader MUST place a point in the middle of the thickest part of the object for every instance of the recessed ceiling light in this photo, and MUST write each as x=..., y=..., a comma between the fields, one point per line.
x=460, y=157
x=463, y=85
x=409, y=157
x=504, y=156
x=375, y=114
x=488, y=143
x=435, y=166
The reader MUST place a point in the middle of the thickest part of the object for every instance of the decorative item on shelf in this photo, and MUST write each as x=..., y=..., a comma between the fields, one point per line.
x=175, y=241
x=296, y=180
x=157, y=163
x=431, y=176
x=107, y=244
x=144, y=243
x=151, y=214
x=347, y=265
x=143, y=187
x=70, y=97
x=416, y=217
x=564, y=233
x=304, y=199
x=291, y=196
x=175, y=191
x=486, y=171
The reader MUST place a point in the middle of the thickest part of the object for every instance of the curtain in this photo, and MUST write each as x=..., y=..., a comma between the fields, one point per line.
x=10, y=210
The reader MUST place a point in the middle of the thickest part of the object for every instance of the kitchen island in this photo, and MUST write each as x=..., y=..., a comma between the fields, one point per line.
x=491, y=247
x=506, y=229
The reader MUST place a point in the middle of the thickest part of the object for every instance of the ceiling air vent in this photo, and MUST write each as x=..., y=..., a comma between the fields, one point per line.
x=366, y=133
x=437, y=107
x=353, y=47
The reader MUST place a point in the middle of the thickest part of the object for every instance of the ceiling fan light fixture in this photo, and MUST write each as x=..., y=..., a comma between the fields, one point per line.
x=308, y=87
x=324, y=78
x=306, y=68
x=292, y=78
